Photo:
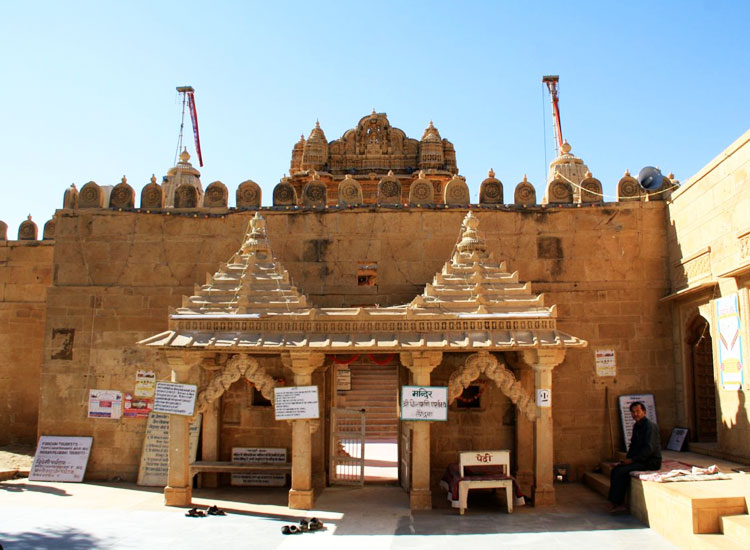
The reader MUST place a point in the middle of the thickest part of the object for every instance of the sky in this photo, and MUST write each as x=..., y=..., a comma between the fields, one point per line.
x=88, y=88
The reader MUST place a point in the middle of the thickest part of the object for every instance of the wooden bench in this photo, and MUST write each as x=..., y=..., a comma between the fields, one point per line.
x=238, y=468
x=484, y=481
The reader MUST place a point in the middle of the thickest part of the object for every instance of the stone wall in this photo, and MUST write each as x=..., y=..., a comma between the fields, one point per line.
x=117, y=273
x=709, y=247
x=25, y=275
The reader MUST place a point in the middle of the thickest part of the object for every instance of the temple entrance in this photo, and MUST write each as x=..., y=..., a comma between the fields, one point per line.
x=365, y=420
x=700, y=352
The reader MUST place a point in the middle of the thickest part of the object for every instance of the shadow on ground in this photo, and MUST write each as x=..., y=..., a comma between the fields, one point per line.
x=70, y=539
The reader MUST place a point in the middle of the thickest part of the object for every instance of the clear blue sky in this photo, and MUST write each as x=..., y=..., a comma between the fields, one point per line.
x=88, y=88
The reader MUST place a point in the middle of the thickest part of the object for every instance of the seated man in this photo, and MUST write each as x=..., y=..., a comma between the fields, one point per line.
x=644, y=454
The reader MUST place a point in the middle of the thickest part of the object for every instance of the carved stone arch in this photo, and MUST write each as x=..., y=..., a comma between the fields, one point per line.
x=186, y=196
x=284, y=194
x=248, y=195
x=350, y=192
x=28, y=230
x=216, y=195
x=314, y=193
x=491, y=190
x=485, y=363
x=237, y=367
x=628, y=189
x=122, y=196
x=48, y=233
x=421, y=191
x=559, y=191
x=389, y=190
x=591, y=190
x=91, y=196
x=456, y=192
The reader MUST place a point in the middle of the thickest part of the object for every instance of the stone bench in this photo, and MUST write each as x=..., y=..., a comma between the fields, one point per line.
x=237, y=468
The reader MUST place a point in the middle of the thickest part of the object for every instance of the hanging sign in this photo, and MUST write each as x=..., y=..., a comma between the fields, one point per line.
x=105, y=404
x=154, y=466
x=175, y=398
x=424, y=403
x=60, y=458
x=730, y=344
x=145, y=383
x=343, y=379
x=296, y=402
x=605, y=362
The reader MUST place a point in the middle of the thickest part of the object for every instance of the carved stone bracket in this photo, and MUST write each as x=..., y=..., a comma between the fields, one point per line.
x=237, y=367
x=485, y=363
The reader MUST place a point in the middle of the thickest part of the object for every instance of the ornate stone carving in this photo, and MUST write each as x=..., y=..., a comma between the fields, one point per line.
x=314, y=192
x=122, y=195
x=524, y=193
x=692, y=268
x=487, y=364
x=350, y=191
x=628, y=188
x=284, y=194
x=559, y=191
x=90, y=196
x=237, y=367
x=421, y=191
x=216, y=195
x=48, y=233
x=28, y=230
x=186, y=196
x=491, y=190
x=152, y=195
x=70, y=198
x=389, y=190
x=744, y=246
x=591, y=190
x=456, y=192
x=248, y=195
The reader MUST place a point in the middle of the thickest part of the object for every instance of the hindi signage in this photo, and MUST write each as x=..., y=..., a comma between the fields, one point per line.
x=605, y=362
x=105, y=404
x=145, y=382
x=154, y=465
x=424, y=403
x=259, y=455
x=296, y=402
x=343, y=379
x=627, y=420
x=174, y=398
x=60, y=458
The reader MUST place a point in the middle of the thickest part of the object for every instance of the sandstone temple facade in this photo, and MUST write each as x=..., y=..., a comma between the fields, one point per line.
x=371, y=253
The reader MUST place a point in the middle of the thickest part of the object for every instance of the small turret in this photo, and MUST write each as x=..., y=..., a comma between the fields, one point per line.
x=296, y=164
x=431, y=149
x=315, y=150
x=182, y=174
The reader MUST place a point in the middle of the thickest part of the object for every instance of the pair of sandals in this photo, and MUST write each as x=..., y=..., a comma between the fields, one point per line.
x=305, y=526
x=210, y=511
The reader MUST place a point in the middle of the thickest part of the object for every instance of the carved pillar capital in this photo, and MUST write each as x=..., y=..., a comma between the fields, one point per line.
x=421, y=360
x=543, y=358
x=182, y=361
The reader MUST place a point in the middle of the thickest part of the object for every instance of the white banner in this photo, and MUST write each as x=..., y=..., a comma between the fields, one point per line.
x=424, y=403
x=175, y=398
x=297, y=402
x=60, y=458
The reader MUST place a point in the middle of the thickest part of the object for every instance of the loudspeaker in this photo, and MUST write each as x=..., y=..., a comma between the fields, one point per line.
x=650, y=178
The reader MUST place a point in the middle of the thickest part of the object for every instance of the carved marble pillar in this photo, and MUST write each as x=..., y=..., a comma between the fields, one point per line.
x=525, y=437
x=421, y=364
x=542, y=362
x=302, y=495
x=179, y=491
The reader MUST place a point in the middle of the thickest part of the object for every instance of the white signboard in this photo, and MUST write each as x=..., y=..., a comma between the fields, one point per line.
x=155, y=455
x=145, y=382
x=105, y=404
x=605, y=362
x=297, y=402
x=627, y=421
x=424, y=403
x=543, y=398
x=259, y=455
x=60, y=458
x=175, y=398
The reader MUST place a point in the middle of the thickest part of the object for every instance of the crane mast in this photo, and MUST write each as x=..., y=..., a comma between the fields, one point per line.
x=552, y=81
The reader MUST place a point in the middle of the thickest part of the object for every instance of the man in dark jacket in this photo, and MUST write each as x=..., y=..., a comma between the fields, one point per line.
x=644, y=453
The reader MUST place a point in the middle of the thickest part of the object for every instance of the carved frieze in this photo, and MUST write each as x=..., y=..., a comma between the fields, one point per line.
x=692, y=268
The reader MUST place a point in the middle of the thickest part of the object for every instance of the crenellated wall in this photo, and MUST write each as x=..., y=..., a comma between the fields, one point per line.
x=116, y=273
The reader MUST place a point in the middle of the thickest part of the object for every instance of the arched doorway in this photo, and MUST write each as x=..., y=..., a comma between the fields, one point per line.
x=703, y=385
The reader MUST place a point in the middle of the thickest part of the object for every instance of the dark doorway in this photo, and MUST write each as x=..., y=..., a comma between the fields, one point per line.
x=700, y=352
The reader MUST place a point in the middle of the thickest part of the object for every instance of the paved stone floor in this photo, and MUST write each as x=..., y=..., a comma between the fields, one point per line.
x=36, y=515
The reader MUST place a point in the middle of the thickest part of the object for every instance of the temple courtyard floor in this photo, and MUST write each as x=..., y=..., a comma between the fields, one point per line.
x=77, y=516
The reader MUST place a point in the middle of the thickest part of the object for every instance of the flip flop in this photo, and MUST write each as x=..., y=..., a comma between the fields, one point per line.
x=315, y=524
x=304, y=525
x=195, y=513
x=285, y=530
x=215, y=511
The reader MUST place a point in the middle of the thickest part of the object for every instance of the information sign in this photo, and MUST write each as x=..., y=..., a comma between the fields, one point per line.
x=543, y=398
x=60, y=458
x=259, y=455
x=605, y=362
x=297, y=402
x=154, y=465
x=424, y=403
x=174, y=398
x=145, y=382
x=105, y=404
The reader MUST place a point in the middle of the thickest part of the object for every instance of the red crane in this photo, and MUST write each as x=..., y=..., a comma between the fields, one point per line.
x=188, y=97
x=551, y=81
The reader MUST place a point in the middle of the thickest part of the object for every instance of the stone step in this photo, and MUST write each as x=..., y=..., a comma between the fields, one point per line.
x=597, y=482
x=736, y=528
x=716, y=542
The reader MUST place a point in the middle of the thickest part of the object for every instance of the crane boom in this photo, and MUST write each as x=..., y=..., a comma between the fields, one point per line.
x=551, y=81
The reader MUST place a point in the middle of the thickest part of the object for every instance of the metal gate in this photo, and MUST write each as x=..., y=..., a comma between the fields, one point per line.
x=347, y=465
